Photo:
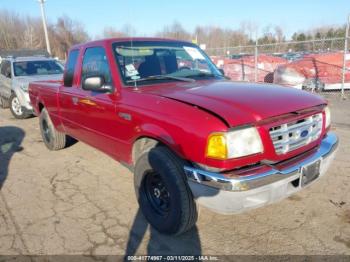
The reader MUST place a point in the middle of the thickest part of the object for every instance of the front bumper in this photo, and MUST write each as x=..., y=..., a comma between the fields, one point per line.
x=235, y=192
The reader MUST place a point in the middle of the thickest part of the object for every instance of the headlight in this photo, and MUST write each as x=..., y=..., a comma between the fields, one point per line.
x=24, y=87
x=234, y=144
x=327, y=113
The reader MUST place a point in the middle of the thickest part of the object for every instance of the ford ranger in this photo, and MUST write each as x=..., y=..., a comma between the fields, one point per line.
x=190, y=136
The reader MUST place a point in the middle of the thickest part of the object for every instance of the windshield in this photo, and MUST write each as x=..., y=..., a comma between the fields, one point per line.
x=34, y=68
x=146, y=62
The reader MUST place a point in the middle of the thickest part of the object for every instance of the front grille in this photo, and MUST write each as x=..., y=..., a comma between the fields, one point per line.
x=290, y=136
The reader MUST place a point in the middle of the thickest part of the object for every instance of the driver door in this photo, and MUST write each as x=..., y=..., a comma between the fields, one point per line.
x=97, y=109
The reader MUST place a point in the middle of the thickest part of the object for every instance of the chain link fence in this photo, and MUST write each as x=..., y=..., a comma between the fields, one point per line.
x=321, y=66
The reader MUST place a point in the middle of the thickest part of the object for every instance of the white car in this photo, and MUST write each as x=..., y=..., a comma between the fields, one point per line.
x=15, y=75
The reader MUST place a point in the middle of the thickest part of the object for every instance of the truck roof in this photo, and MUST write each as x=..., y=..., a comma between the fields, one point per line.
x=127, y=39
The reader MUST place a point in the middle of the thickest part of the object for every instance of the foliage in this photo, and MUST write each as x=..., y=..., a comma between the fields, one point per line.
x=26, y=32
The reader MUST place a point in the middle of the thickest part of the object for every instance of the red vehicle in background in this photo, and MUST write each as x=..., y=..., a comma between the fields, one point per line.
x=189, y=135
x=314, y=72
x=243, y=69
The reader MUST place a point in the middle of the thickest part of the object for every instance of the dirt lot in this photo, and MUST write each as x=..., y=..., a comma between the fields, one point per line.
x=79, y=201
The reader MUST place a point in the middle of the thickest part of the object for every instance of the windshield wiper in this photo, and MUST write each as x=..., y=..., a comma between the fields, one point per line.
x=203, y=74
x=160, y=77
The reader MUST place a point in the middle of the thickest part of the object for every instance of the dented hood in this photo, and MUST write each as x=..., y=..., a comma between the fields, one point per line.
x=240, y=103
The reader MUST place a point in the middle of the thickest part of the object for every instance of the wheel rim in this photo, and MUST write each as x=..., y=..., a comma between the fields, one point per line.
x=16, y=106
x=46, y=131
x=156, y=193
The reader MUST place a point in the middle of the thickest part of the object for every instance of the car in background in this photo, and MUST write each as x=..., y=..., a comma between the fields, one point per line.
x=15, y=75
x=243, y=69
x=239, y=56
x=291, y=56
x=315, y=72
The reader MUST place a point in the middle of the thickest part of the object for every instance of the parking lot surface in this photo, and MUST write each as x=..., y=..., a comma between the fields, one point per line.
x=79, y=201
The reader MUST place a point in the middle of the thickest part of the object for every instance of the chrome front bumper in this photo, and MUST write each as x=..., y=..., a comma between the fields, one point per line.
x=258, y=186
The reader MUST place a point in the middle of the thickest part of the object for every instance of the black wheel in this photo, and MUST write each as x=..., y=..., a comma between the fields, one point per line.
x=163, y=193
x=156, y=193
x=53, y=139
x=16, y=108
x=4, y=103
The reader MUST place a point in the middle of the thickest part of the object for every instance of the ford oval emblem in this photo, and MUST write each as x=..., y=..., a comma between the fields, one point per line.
x=304, y=133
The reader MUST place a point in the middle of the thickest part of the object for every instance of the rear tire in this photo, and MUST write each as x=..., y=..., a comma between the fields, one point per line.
x=163, y=193
x=16, y=108
x=53, y=139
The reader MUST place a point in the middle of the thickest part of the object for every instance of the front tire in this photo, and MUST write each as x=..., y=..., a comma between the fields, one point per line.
x=16, y=108
x=53, y=139
x=163, y=193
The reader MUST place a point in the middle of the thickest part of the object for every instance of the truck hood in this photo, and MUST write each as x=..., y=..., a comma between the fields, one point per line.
x=240, y=103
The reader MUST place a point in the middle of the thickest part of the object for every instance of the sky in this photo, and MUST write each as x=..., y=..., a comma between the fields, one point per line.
x=150, y=16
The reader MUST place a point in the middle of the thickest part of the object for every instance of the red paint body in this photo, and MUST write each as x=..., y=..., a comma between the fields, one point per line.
x=179, y=114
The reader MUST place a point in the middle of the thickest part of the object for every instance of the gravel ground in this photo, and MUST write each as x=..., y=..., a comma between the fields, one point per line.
x=79, y=201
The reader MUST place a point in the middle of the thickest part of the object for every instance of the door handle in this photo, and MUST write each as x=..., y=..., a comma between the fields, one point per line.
x=87, y=101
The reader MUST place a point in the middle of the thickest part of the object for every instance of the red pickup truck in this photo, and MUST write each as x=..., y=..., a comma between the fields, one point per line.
x=189, y=135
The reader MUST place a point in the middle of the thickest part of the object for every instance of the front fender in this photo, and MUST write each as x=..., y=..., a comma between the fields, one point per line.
x=158, y=133
x=22, y=96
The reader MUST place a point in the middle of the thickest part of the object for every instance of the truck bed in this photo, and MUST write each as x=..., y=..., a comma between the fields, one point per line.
x=45, y=92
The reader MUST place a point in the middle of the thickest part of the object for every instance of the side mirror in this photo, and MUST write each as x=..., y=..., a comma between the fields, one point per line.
x=96, y=83
x=222, y=71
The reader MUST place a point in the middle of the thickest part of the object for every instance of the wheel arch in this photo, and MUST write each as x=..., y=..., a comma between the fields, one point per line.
x=40, y=106
x=151, y=135
x=145, y=143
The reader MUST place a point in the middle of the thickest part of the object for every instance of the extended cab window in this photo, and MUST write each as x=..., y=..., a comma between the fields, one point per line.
x=95, y=64
x=70, y=67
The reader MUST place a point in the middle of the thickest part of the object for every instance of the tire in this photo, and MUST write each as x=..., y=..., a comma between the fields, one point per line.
x=4, y=103
x=269, y=78
x=16, y=108
x=53, y=139
x=163, y=193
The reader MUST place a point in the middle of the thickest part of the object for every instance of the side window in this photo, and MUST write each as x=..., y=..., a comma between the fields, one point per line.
x=70, y=67
x=95, y=64
x=6, y=68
